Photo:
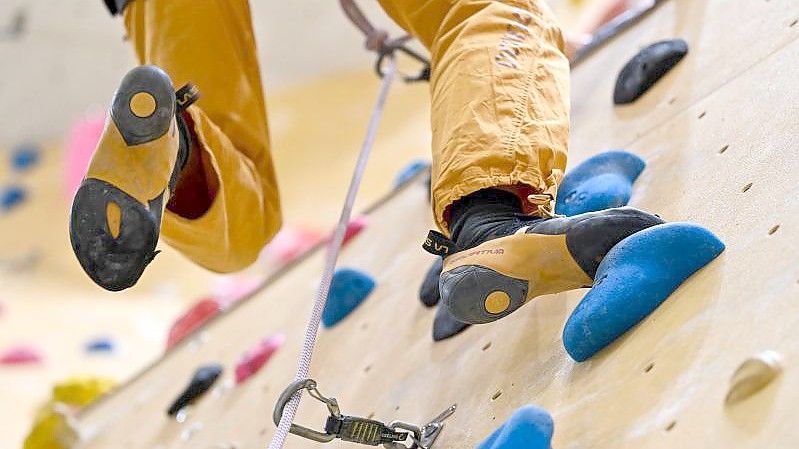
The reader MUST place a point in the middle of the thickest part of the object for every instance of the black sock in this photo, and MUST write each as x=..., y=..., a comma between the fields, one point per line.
x=484, y=215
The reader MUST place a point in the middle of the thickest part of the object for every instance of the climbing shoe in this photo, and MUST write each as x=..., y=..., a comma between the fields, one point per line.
x=499, y=258
x=116, y=214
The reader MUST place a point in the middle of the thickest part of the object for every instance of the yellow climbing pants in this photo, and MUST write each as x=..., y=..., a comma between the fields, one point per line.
x=500, y=96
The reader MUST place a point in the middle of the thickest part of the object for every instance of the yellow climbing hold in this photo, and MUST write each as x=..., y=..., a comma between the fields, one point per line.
x=53, y=427
x=497, y=302
x=753, y=375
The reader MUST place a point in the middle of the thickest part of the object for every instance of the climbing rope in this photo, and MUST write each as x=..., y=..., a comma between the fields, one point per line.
x=285, y=410
x=304, y=363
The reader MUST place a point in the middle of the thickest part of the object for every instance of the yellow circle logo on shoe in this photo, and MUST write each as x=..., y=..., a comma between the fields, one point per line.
x=497, y=302
x=142, y=104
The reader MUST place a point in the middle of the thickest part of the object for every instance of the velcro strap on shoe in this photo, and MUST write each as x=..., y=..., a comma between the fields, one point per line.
x=438, y=244
x=186, y=96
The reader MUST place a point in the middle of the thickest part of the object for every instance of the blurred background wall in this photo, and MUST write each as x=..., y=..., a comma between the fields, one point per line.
x=60, y=61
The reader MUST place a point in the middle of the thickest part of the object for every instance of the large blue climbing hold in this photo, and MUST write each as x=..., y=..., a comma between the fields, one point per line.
x=635, y=277
x=348, y=290
x=601, y=182
x=24, y=157
x=12, y=196
x=529, y=427
x=410, y=170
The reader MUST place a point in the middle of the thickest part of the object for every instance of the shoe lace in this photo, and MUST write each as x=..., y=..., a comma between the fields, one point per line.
x=544, y=203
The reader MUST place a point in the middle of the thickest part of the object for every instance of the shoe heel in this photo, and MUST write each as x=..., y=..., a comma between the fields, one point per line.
x=476, y=295
x=144, y=105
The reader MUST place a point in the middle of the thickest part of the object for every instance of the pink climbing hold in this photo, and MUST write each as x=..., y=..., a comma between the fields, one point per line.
x=290, y=243
x=254, y=359
x=80, y=145
x=21, y=355
x=355, y=226
x=192, y=320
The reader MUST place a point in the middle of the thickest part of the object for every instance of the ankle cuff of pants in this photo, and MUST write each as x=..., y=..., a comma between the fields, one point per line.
x=518, y=183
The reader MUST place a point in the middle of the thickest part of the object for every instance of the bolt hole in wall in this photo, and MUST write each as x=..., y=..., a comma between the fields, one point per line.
x=773, y=229
x=486, y=346
x=670, y=426
x=496, y=395
x=746, y=187
x=649, y=367
x=723, y=149
x=795, y=21
x=701, y=115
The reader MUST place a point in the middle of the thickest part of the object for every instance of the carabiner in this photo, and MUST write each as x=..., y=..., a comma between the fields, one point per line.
x=415, y=434
x=399, y=44
x=285, y=397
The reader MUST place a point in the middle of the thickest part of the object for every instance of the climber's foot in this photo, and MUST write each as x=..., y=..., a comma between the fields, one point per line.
x=116, y=213
x=500, y=259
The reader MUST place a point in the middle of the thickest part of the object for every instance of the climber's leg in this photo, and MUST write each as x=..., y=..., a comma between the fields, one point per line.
x=500, y=95
x=223, y=202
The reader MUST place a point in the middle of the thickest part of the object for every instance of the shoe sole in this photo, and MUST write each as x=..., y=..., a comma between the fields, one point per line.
x=144, y=105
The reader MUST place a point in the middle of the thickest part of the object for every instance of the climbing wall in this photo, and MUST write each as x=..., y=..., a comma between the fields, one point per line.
x=717, y=134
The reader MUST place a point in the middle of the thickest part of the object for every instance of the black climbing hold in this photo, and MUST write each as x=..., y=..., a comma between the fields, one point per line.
x=646, y=68
x=203, y=379
x=445, y=325
x=428, y=292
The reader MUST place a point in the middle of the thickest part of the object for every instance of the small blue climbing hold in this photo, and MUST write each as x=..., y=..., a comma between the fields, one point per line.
x=100, y=344
x=599, y=183
x=24, y=157
x=410, y=170
x=635, y=277
x=529, y=427
x=12, y=196
x=348, y=290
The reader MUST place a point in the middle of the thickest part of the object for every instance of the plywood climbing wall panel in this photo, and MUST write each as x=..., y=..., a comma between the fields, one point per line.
x=725, y=158
x=725, y=40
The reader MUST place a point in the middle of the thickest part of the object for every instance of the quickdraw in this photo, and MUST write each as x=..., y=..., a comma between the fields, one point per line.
x=395, y=435
x=377, y=40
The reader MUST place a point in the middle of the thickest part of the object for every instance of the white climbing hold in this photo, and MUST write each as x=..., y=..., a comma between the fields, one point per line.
x=753, y=375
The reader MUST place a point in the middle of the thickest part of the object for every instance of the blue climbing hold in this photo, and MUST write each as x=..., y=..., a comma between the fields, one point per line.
x=601, y=182
x=529, y=427
x=348, y=290
x=12, y=196
x=24, y=157
x=100, y=344
x=410, y=170
x=635, y=277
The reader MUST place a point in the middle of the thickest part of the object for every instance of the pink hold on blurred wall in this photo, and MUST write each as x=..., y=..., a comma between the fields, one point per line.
x=80, y=145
